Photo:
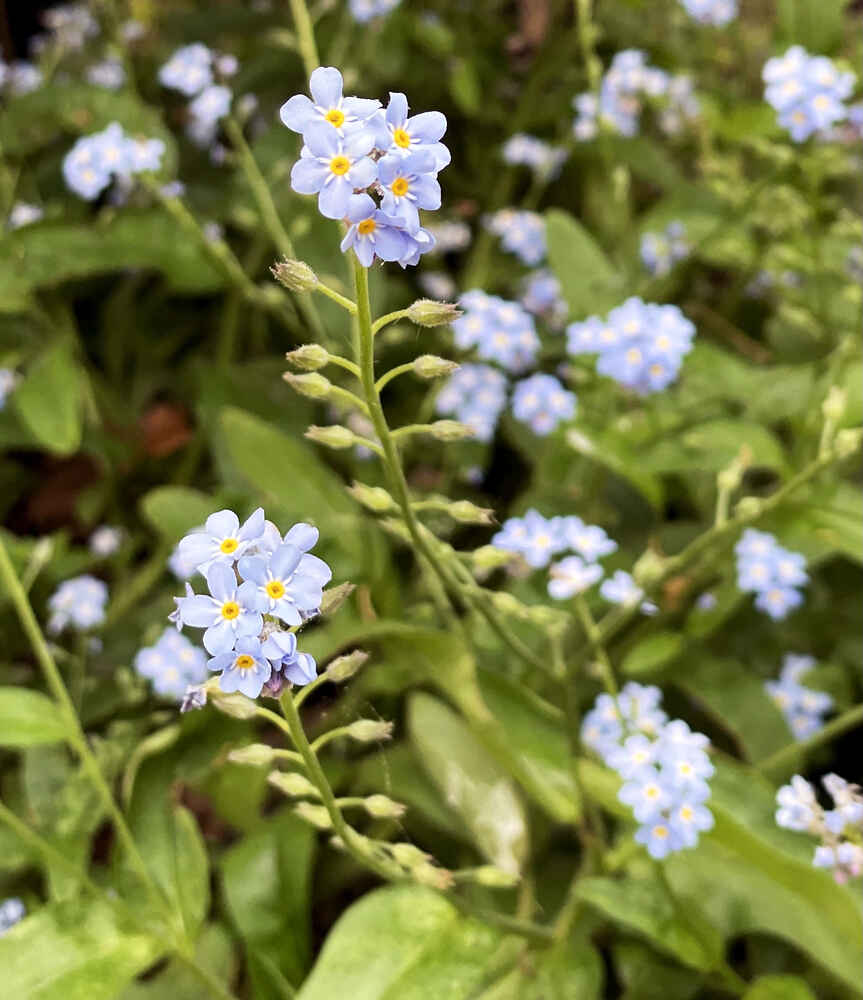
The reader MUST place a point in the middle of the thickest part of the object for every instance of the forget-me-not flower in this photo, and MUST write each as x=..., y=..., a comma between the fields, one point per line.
x=228, y=612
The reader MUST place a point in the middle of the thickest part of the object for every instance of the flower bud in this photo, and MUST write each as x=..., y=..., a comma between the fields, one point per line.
x=488, y=558
x=430, y=875
x=316, y=815
x=293, y=784
x=344, y=667
x=335, y=436
x=509, y=605
x=748, y=507
x=430, y=366
x=372, y=497
x=309, y=357
x=450, y=430
x=312, y=385
x=237, y=706
x=466, y=512
x=295, y=275
x=495, y=878
x=544, y=616
x=648, y=569
x=408, y=855
x=427, y=312
x=834, y=405
x=255, y=754
x=369, y=731
x=848, y=442
x=382, y=807
x=397, y=528
x=335, y=597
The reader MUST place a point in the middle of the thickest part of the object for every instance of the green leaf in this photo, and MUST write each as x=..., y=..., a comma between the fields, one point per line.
x=829, y=520
x=779, y=988
x=611, y=450
x=649, y=976
x=712, y=445
x=405, y=943
x=564, y=972
x=470, y=780
x=50, y=398
x=652, y=653
x=173, y=510
x=267, y=882
x=645, y=907
x=28, y=718
x=588, y=280
x=73, y=951
x=820, y=22
x=213, y=951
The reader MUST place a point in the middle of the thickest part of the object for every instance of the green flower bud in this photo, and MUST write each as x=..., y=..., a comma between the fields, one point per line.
x=372, y=497
x=449, y=430
x=237, y=706
x=430, y=875
x=430, y=366
x=335, y=436
x=292, y=784
x=335, y=597
x=295, y=275
x=255, y=754
x=748, y=507
x=648, y=569
x=312, y=385
x=834, y=405
x=427, y=312
x=382, y=807
x=309, y=357
x=488, y=558
x=848, y=442
x=344, y=667
x=495, y=878
x=315, y=815
x=408, y=855
x=466, y=512
x=369, y=731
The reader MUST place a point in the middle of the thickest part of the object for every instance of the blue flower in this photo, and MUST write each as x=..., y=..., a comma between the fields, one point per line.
x=280, y=648
x=634, y=758
x=228, y=612
x=398, y=133
x=372, y=233
x=542, y=402
x=109, y=74
x=646, y=795
x=572, y=576
x=95, y=159
x=12, y=911
x=659, y=838
x=83, y=171
x=807, y=91
x=499, y=330
x=588, y=540
x=408, y=184
x=803, y=708
x=286, y=588
x=332, y=166
x=620, y=588
x=221, y=540
x=189, y=69
x=78, y=603
x=475, y=395
x=771, y=572
x=533, y=536
x=243, y=668
x=714, y=12
x=545, y=160
x=521, y=233
x=661, y=251
x=327, y=106
x=205, y=112
x=365, y=10
x=688, y=819
x=542, y=297
x=172, y=664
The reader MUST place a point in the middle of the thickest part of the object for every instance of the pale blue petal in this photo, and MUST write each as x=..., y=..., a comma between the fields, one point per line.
x=298, y=113
x=223, y=524
x=325, y=86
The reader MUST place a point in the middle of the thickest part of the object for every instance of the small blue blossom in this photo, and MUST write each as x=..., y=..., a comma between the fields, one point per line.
x=96, y=159
x=398, y=133
x=227, y=613
x=243, y=668
x=588, y=540
x=500, y=331
x=327, y=106
x=23, y=214
x=661, y=251
x=221, y=540
x=773, y=573
x=543, y=159
x=521, y=233
x=450, y=236
x=475, y=395
x=409, y=183
x=542, y=403
x=289, y=583
x=661, y=838
x=366, y=10
x=803, y=708
x=372, y=233
x=280, y=648
x=189, y=70
x=78, y=603
x=620, y=588
x=541, y=296
x=206, y=111
x=12, y=911
x=713, y=12
x=172, y=664
x=332, y=166
x=8, y=380
x=105, y=540
x=22, y=77
x=807, y=91
x=108, y=74
x=533, y=536
x=572, y=576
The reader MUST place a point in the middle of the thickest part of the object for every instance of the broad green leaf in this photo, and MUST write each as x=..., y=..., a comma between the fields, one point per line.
x=645, y=907
x=651, y=654
x=50, y=398
x=174, y=510
x=28, y=718
x=470, y=781
x=820, y=22
x=267, y=882
x=588, y=279
x=406, y=943
x=213, y=951
x=829, y=520
x=564, y=972
x=712, y=445
x=779, y=988
x=73, y=951
x=649, y=976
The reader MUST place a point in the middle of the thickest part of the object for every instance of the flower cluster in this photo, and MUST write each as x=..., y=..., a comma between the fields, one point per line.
x=78, y=603
x=353, y=148
x=366, y=10
x=97, y=159
x=70, y=25
x=261, y=587
x=19, y=77
x=541, y=295
x=108, y=74
x=803, y=708
x=521, y=233
x=500, y=331
x=451, y=236
x=661, y=251
x=664, y=766
x=640, y=344
x=196, y=72
x=541, y=402
x=8, y=380
x=715, y=12
x=839, y=828
x=771, y=572
x=475, y=395
x=12, y=910
x=543, y=159
x=172, y=664
x=807, y=91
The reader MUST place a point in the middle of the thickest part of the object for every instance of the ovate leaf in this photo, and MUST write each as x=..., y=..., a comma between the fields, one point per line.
x=588, y=279
x=28, y=718
x=50, y=398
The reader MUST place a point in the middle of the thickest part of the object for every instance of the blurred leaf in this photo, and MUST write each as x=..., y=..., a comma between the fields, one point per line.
x=712, y=445
x=651, y=654
x=779, y=988
x=173, y=510
x=465, y=87
x=50, y=398
x=213, y=951
x=610, y=449
x=820, y=22
x=267, y=883
x=72, y=951
x=566, y=971
x=829, y=520
x=28, y=718
x=648, y=976
x=588, y=280
x=405, y=943
x=645, y=907
x=470, y=781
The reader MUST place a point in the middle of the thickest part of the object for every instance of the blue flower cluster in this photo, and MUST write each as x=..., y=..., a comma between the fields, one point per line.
x=366, y=10
x=12, y=911
x=541, y=295
x=8, y=381
x=500, y=331
x=803, y=708
x=197, y=72
x=543, y=159
x=661, y=251
x=715, y=12
x=807, y=91
x=521, y=233
x=475, y=395
x=97, y=159
x=664, y=766
x=640, y=344
x=108, y=74
x=172, y=664
x=352, y=147
x=771, y=572
x=258, y=582
x=839, y=828
x=541, y=402
x=78, y=603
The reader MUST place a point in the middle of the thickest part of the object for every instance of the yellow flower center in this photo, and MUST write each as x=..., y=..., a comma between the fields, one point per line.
x=275, y=589
x=244, y=662
x=633, y=355
x=656, y=370
x=651, y=792
x=335, y=117
x=229, y=545
x=230, y=610
x=401, y=138
x=340, y=165
x=685, y=814
x=399, y=187
x=661, y=832
x=366, y=226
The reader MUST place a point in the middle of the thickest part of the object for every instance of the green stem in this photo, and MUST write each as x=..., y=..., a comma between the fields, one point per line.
x=385, y=379
x=337, y=297
x=388, y=318
x=776, y=763
x=305, y=36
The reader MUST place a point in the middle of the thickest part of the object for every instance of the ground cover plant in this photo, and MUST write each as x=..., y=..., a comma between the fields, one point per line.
x=432, y=538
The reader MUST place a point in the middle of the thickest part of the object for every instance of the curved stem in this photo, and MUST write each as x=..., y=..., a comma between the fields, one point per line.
x=347, y=304
x=788, y=755
x=385, y=379
x=388, y=318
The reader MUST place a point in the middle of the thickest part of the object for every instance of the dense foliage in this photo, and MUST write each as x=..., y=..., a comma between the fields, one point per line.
x=517, y=648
